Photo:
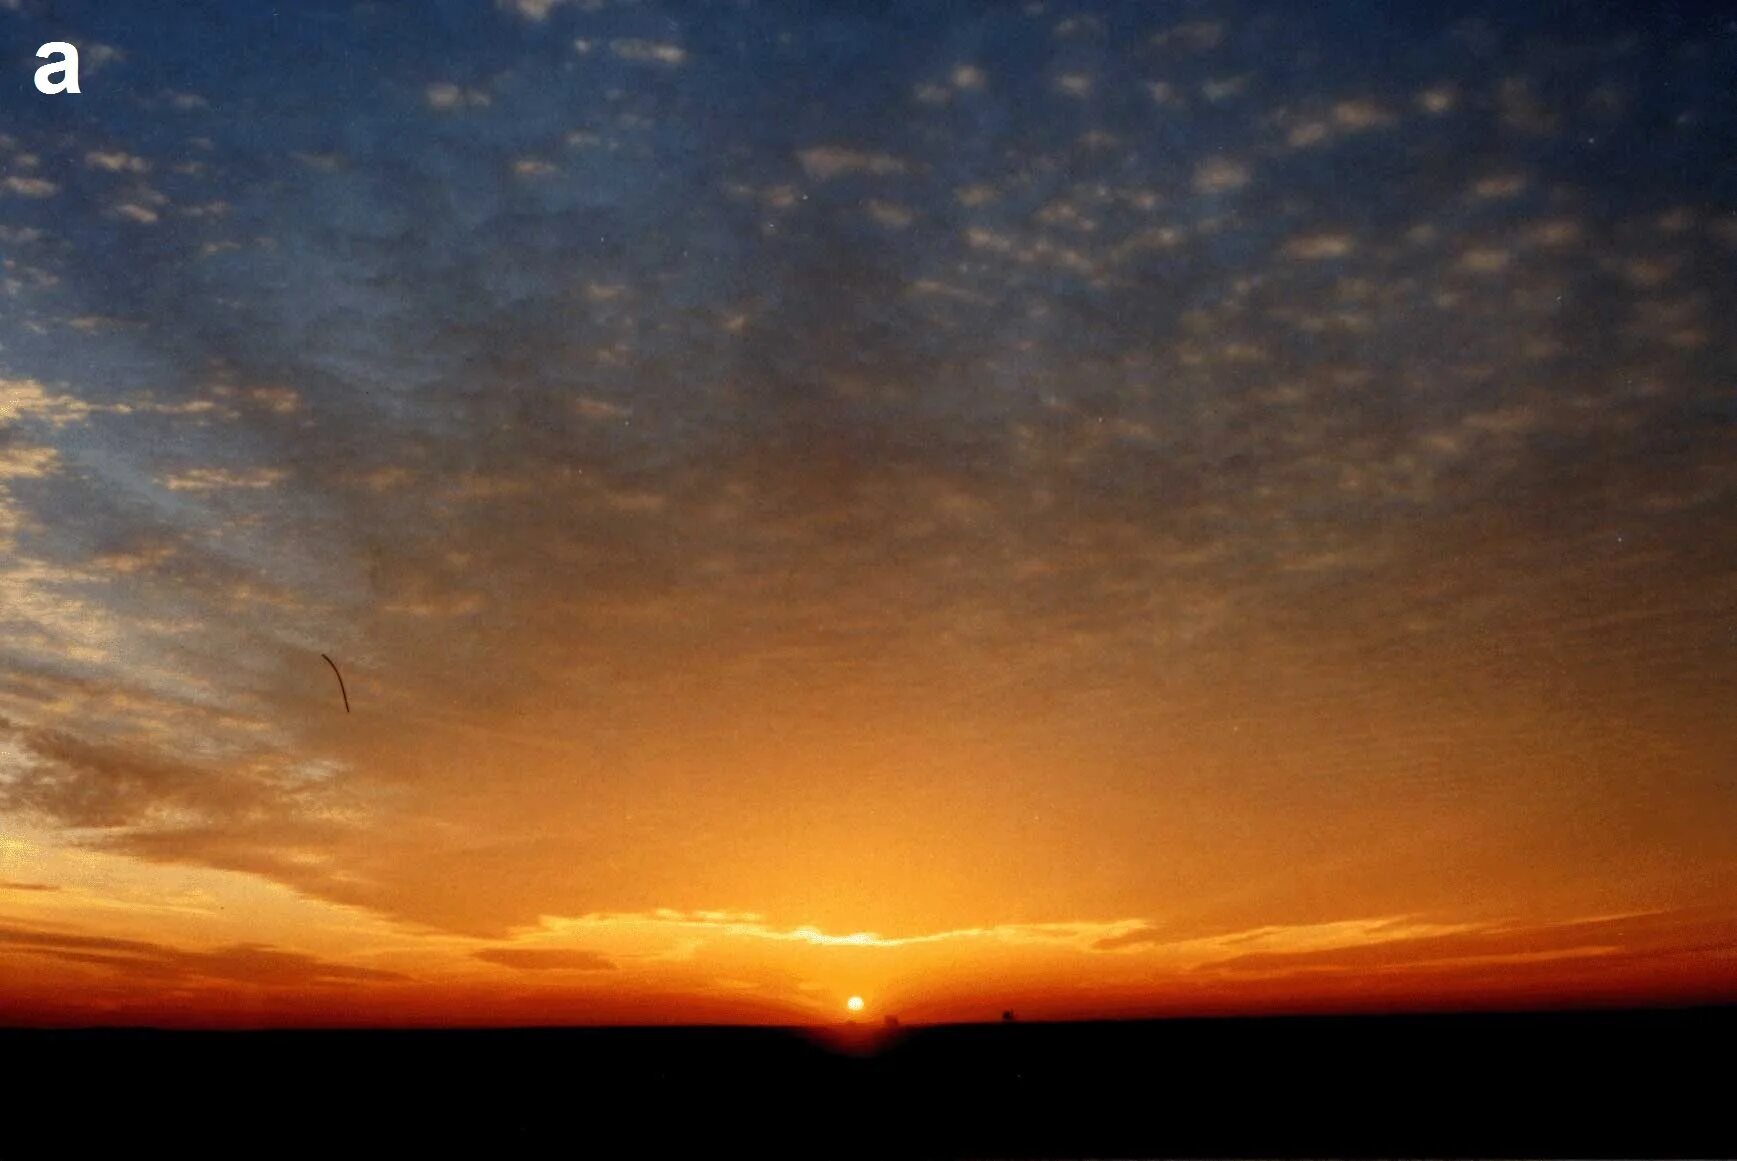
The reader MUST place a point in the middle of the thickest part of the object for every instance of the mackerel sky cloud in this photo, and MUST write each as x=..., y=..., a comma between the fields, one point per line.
x=1178, y=472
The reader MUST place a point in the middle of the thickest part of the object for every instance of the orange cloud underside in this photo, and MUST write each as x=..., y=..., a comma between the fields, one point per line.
x=873, y=839
x=174, y=946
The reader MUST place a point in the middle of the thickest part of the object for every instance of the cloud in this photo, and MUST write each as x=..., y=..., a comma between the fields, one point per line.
x=826, y=162
x=445, y=96
x=969, y=77
x=1485, y=260
x=217, y=479
x=535, y=11
x=31, y=187
x=1438, y=99
x=1385, y=949
x=1078, y=85
x=252, y=964
x=686, y=475
x=1314, y=247
x=86, y=784
x=532, y=167
x=649, y=52
x=1138, y=936
x=1191, y=35
x=9, y=885
x=891, y=214
x=25, y=463
x=1500, y=186
x=1220, y=175
x=546, y=959
x=1361, y=114
x=1079, y=935
x=116, y=161
x=1398, y=950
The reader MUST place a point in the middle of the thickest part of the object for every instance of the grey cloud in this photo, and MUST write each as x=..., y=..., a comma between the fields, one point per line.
x=88, y=784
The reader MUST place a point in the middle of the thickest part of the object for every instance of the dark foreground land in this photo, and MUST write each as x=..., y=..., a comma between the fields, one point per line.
x=1567, y=1084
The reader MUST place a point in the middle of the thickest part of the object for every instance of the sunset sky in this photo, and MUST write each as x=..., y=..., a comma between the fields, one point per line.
x=1090, y=508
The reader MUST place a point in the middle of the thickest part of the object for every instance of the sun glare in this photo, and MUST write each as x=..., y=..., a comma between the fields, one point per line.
x=854, y=1003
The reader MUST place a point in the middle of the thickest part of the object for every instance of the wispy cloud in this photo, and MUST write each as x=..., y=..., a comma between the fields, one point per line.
x=546, y=959
x=245, y=963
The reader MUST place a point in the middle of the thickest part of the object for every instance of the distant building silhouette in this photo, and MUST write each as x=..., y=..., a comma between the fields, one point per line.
x=1007, y=1016
x=892, y=1021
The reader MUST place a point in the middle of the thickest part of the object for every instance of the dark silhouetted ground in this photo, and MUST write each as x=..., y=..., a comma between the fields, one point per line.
x=1564, y=1084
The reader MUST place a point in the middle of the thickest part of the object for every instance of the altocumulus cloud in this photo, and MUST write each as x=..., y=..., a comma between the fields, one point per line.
x=581, y=406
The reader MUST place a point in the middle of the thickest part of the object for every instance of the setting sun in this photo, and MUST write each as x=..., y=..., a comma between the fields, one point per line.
x=854, y=1003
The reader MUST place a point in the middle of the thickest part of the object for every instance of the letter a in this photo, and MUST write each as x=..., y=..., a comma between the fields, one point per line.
x=67, y=67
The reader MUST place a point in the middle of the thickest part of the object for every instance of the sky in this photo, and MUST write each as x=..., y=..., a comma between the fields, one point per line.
x=1098, y=509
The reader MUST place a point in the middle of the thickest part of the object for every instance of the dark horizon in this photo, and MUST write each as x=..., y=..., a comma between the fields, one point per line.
x=1531, y=1084
x=878, y=1026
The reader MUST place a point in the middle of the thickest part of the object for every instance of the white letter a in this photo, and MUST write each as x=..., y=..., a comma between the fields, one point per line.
x=69, y=67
